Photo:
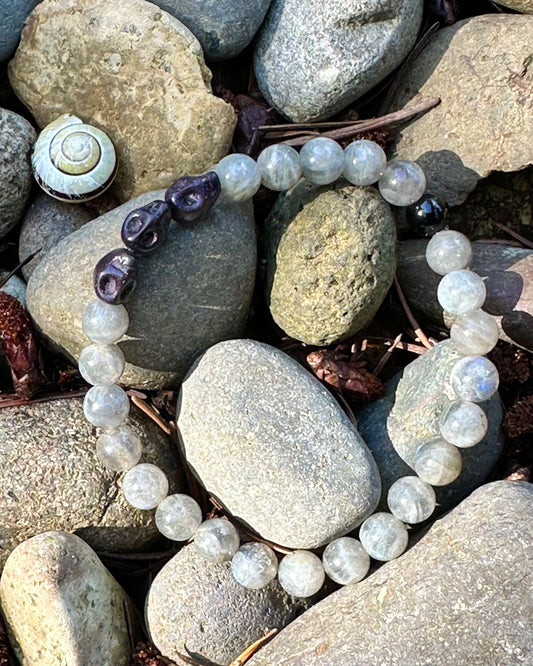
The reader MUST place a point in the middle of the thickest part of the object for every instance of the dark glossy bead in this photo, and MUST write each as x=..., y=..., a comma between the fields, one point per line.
x=191, y=197
x=428, y=215
x=114, y=276
x=145, y=228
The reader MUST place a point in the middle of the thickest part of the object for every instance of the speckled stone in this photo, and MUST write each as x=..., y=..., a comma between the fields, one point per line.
x=454, y=143
x=62, y=606
x=459, y=596
x=51, y=478
x=267, y=439
x=140, y=76
x=14, y=286
x=13, y=13
x=223, y=27
x=45, y=223
x=408, y=415
x=524, y=6
x=331, y=258
x=509, y=281
x=17, y=137
x=199, y=604
x=314, y=58
x=193, y=292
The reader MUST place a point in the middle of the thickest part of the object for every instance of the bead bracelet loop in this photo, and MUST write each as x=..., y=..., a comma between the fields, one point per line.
x=411, y=499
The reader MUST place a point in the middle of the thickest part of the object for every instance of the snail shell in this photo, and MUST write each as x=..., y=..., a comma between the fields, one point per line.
x=73, y=161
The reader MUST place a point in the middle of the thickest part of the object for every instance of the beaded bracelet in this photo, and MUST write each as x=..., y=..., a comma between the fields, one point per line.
x=411, y=499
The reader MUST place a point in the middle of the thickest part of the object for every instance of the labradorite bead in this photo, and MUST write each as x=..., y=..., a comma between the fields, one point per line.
x=254, y=565
x=280, y=167
x=191, y=197
x=364, y=162
x=145, y=229
x=239, y=175
x=461, y=291
x=106, y=406
x=345, y=561
x=119, y=449
x=474, y=378
x=114, y=276
x=475, y=332
x=411, y=499
x=301, y=573
x=403, y=182
x=464, y=424
x=145, y=486
x=104, y=323
x=383, y=536
x=427, y=216
x=448, y=251
x=178, y=517
x=437, y=462
x=322, y=161
x=101, y=364
x=216, y=540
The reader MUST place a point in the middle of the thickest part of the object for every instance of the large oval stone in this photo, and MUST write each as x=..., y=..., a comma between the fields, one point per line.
x=331, y=258
x=62, y=606
x=273, y=445
x=408, y=415
x=134, y=71
x=508, y=273
x=191, y=293
x=313, y=58
x=459, y=596
x=51, y=478
x=199, y=604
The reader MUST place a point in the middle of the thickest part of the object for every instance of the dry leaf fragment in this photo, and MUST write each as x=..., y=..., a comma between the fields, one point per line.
x=519, y=419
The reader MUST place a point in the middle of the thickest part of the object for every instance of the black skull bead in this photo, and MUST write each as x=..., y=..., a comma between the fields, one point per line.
x=191, y=197
x=114, y=276
x=145, y=229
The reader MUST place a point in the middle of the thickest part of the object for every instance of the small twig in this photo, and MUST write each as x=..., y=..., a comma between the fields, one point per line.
x=246, y=654
x=386, y=356
x=349, y=412
x=418, y=331
x=514, y=234
x=407, y=113
x=21, y=265
x=129, y=623
x=149, y=411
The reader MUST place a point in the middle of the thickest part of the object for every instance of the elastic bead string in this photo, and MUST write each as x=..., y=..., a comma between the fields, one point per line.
x=411, y=499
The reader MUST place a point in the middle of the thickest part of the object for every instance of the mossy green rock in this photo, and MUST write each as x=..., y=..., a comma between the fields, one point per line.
x=62, y=607
x=331, y=258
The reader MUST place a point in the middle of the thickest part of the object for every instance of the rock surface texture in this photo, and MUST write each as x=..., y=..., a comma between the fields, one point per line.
x=17, y=137
x=199, y=604
x=331, y=258
x=460, y=596
x=132, y=70
x=62, y=606
x=314, y=58
x=52, y=480
x=508, y=273
x=191, y=293
x=12, y=17
x=274, y=446
x=524, y=6
x=223, y=27
x=46, y=222
x=408, y=415
x=480, y=68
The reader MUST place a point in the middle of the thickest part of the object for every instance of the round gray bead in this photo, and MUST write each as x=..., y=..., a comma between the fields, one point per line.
x=411, y=499
x=280, y=167
x=322, y=161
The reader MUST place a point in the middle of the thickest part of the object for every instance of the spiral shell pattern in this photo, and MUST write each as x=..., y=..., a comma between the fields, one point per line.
x=73, y=161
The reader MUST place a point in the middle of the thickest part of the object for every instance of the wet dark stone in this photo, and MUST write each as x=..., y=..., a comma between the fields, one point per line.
x=145, y=229
x=427, y=216
x=191, y=197
x=114, y=276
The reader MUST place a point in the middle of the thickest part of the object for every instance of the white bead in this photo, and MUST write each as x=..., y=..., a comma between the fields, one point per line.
x=403, y=182
x=322, y=161
x=411, y=500
x=105, y=323
x=101, y=364
x=145, y=486
x=254, y=565
x=301, y=573
x=346, y=561
x=280, y=167
x=383, y=536
x=119, y=449
x=448, y=251
x=216, y=540
x=178, y=517
x=464, y=424
x=475, y=332
x=239, y=176
x=437, y=462
x=461, y=291
x=106, y=406
x=364, y=162
x=474, y=378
